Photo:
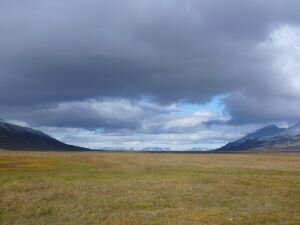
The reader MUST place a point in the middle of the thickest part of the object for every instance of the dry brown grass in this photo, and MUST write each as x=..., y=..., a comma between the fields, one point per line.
x=41, y=188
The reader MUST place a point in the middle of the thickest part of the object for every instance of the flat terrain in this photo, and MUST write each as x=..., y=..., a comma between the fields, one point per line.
x=38, y=188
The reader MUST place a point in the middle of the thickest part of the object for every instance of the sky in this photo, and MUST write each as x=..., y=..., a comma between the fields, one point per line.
x=175, y=74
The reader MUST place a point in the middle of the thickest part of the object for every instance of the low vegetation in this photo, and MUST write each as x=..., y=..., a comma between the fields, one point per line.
x=41, y=188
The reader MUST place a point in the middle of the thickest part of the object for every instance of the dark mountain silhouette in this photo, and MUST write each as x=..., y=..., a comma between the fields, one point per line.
x=268, y=138
x=14, y=137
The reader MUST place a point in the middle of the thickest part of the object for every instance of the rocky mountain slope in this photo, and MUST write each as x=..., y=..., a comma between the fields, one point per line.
x=268, y=138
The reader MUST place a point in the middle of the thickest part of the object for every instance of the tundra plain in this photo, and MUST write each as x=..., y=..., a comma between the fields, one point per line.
x=45, y=188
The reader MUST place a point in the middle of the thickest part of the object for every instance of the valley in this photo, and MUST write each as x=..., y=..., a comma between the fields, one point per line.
x=76, y=188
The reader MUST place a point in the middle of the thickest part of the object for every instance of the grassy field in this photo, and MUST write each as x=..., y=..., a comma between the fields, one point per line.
x=38, y=188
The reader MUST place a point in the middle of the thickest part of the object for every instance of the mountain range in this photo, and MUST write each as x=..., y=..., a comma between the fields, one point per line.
x=273, y=138
x=268, y=138
x=14, y=137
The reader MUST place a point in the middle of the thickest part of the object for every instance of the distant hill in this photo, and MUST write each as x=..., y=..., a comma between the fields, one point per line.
x=268, y=138
x=14, y=137
x=157, y=149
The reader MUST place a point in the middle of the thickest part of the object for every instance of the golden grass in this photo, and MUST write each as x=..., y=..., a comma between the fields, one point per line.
x=13, y=163
x=41, y=188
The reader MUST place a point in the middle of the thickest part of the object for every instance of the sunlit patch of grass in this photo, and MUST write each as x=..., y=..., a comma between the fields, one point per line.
x=43, y=188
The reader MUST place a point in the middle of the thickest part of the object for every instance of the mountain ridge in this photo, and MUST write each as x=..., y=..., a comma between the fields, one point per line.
x=270, y=137
x=15, y=137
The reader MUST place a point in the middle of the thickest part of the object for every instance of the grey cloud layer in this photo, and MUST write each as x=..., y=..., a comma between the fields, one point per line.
x=117, y=115
x=57, y=52
x=92, y=114
x=205, y=137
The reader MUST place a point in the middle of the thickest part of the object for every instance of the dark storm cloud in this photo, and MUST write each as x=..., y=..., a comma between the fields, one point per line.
x=56, y=52
x=108, y=114
x=245, y=109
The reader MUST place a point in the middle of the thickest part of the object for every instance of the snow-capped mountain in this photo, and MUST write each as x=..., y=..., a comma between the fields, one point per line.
x=292, y=131
x=269, y=137
x=156, y=149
